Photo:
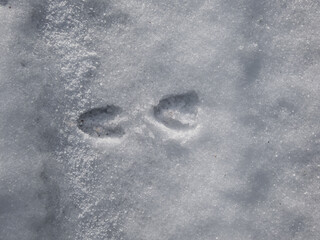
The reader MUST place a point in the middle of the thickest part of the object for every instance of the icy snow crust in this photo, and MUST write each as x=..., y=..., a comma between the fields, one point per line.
x=159, y=120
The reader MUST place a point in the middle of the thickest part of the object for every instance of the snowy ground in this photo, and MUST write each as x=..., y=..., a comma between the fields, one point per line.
x=159, y=119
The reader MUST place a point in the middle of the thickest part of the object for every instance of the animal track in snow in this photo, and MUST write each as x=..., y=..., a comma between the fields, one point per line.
x=101, y=122
x=178, y=112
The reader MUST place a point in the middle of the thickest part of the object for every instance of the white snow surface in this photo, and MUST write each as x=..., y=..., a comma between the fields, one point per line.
x=159, y=119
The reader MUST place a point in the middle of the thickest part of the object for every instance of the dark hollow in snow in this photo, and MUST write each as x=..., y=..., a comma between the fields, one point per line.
x=97, y=122
x=172, y=108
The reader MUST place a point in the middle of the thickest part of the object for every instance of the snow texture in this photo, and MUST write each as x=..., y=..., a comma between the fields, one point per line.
x=159, y=119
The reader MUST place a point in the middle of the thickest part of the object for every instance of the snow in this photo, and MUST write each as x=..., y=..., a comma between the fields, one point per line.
x=159, y=120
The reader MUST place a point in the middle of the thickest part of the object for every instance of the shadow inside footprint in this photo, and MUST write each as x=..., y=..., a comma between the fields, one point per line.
x=101, y=122
x=178, y=111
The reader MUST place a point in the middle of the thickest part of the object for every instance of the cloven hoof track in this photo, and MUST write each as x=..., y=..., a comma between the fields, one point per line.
x=99, y=122
x=178, y=111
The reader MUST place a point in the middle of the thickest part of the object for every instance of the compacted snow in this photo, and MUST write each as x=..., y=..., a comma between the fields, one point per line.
x=159, y=120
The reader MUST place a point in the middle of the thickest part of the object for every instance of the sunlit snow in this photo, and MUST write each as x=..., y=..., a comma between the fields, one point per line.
x=160, y=120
